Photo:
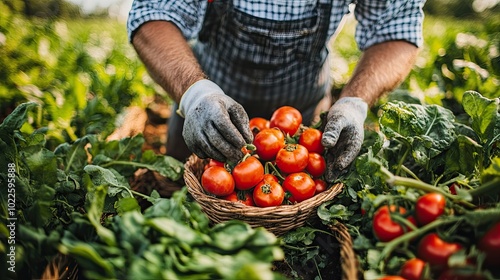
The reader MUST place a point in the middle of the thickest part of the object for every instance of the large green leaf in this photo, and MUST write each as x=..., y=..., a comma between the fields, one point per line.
x=484, y=114
x=429, y=129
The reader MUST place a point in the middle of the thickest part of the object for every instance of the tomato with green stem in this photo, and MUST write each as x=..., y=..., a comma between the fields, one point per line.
x=316, y=165
x=292, y=158
x=385, y=227
x=287, y=119
x=248, y=173
x=217, y=181
x=268, y=194
x=311, y=139
x=436, y=251
x=429, y=207
x=300, y=185
x=268, y=143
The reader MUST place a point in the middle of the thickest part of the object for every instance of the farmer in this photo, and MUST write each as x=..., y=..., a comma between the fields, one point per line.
x=223, y=62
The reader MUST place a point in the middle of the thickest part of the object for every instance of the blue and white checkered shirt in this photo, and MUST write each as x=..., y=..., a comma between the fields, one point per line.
x=378, y=20
x=263, y=75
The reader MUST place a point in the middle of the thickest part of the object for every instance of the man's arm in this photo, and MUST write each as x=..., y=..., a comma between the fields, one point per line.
x=381, y=68
x=167, y=56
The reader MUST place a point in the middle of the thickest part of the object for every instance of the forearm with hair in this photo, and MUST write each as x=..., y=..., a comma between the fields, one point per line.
x=167, y=56
x=382, y=68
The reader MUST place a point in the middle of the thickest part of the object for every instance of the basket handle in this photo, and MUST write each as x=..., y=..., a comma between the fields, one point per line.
x=349, y=261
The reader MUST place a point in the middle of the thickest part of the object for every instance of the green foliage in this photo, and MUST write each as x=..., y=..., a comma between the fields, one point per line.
x=83, y=73
x=425, y=149
x=64, y=190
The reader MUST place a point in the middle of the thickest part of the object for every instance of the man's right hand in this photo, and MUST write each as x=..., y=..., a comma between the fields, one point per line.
x=215, y=125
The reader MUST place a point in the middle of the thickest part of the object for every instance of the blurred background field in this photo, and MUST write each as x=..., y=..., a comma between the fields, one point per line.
x=74, y=58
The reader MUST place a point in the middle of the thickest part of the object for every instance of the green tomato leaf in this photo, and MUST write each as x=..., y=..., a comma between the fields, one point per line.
x=429, y=129
x=492, y=172
x=484, y=114
x=165, y=165
x=73, y=157
x=126, y=204
x=108, y=177
x=15, y=120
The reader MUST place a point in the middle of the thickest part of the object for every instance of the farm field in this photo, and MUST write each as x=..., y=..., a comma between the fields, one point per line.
x=87, y=191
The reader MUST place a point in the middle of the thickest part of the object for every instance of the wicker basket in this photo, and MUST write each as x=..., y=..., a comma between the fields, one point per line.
x=277, y=220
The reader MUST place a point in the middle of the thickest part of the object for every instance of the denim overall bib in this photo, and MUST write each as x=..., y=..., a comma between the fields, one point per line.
x=263, y=64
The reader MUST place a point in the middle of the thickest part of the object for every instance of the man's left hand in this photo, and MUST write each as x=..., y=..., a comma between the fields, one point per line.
x=343, y=134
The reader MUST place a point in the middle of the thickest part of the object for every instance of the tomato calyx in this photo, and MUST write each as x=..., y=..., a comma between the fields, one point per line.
x=266, y=188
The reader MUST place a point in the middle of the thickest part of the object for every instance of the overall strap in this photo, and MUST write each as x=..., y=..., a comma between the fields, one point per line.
x=216, y=9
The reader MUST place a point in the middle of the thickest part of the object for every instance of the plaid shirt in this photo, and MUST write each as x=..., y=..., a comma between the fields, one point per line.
x=301, y=80
x=378, y=20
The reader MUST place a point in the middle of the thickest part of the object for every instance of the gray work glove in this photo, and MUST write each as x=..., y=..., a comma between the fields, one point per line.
x=343, y=134
x=215, y=126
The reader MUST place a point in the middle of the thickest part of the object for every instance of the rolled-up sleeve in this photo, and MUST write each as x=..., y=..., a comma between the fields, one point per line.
x=187, y=15
x=388, y=20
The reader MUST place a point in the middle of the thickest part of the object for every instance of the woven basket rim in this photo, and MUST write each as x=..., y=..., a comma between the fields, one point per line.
x=277, y=219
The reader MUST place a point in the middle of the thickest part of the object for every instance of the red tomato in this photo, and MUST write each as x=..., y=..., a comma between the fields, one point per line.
x=412, y=269
x=429, y=207
x=268, y=143
x=385, y=228
x=300, y=185
x=248, y=173
x=292, y=158
x=217, y=180
x=436, y=251
x=258, y=124
x=453, y=188
x=270, y=177
x=316, y=165
x=240, y=197
x=391, y=277
x=286, y=118
x=311, y=139
x=267, y=194
x=490, y=245
x=321, y=185
x=213, y=162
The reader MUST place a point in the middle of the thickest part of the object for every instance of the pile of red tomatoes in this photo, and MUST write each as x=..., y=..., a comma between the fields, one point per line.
x=284, y=165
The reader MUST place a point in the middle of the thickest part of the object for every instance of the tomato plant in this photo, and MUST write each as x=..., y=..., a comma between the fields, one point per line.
x=267, y=194
x=240, y=197
x=311, y=139
x=300, y=185
x=217, y=181
x=287, y=119
x=385, y=228
x=412, y=269
x=268, y=143
x=258, y=124
x=292, y=158
x=436, y=251
x=429, y=207
x=490, y=245
x=248, y=173
x=316, y=165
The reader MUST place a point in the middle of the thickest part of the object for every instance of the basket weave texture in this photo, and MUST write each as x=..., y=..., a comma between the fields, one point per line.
x=278, y=219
